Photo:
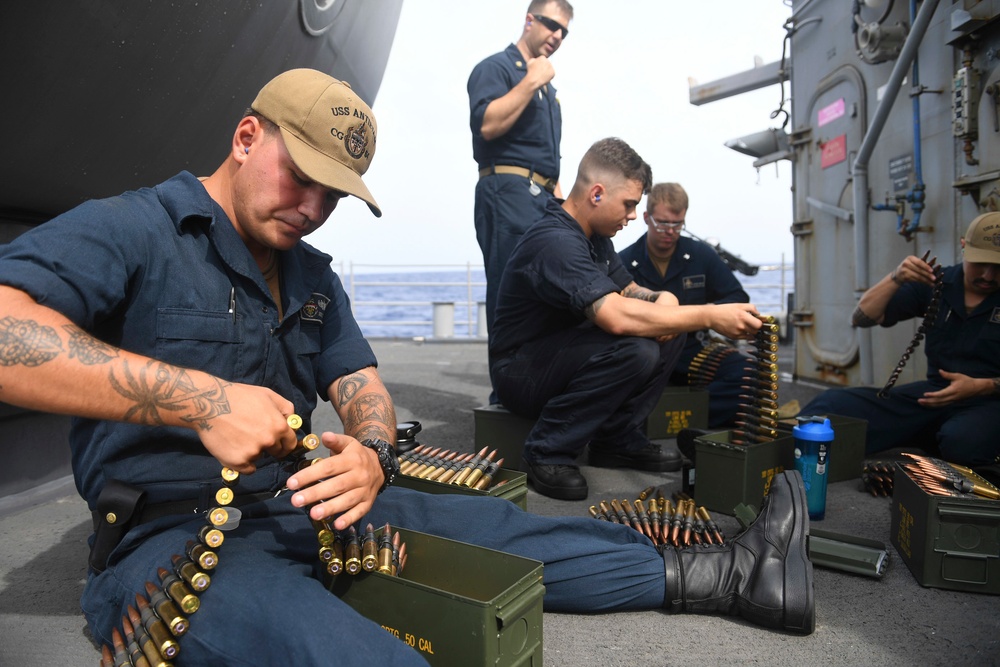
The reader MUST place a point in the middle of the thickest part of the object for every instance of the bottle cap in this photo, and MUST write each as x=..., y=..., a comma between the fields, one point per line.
x=815, y=429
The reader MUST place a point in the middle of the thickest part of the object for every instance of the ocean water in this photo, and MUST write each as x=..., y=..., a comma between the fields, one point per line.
x=400, y=303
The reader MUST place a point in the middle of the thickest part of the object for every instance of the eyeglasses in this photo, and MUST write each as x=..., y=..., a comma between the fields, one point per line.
x=665, y=226
x=554, y=26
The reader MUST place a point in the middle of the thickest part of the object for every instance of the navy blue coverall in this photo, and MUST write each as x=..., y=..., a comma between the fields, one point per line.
x=965, y=432
x=696, y=275
x=552, y=364
x=507, y=204
x=153, y=271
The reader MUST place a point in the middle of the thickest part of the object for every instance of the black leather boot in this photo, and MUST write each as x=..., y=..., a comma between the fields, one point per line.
x=763, y=576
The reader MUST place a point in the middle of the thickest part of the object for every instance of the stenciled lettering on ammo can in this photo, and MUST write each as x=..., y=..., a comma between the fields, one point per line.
x=356, y=140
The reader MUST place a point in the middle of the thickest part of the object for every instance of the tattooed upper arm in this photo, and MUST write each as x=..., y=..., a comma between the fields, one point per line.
x=861, y=319
x=349, y=386
x=591, y=311
x=634, y=291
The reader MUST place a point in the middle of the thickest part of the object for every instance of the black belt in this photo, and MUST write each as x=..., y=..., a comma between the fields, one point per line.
x=190, y=507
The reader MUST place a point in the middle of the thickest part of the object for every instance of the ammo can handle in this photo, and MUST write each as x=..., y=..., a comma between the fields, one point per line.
x=519, y=607
x=968, y=512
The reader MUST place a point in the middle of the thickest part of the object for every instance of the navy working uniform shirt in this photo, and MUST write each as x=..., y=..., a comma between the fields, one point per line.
x=152, y=272
x=958, y=342
x=696, y=275
x=533, y=141
x=554, y=274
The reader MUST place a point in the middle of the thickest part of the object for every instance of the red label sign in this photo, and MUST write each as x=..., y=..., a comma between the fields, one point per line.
x=834, y=152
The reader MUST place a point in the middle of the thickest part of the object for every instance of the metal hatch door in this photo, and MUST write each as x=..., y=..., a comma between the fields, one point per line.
x=827, y=137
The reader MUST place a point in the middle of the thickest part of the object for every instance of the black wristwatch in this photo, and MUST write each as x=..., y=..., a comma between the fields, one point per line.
x=386, y=458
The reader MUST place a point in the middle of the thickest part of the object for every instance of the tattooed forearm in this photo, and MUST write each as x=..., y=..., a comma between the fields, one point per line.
x=374, y=432
x=591, y=311
x=27, y=343
x=350, y=386
x=368, y=408
x=89, y=350
x=635, y=292
x=160, y=387
x=861, y=319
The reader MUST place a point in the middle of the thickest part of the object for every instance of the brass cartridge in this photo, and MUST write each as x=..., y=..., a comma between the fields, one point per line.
x=120, y=658
x=190, y=573
x=135, y=653
x=487, y=478
x=396, y=551
x=417, y=467
x=218, y=516
x=157, y=630
x=710, y=525
x=478, y=471
x=352, y=552
x=369, y=550
x=211, y=537
x=167, y=610
x=202, y=555
x=144, y=641
x=385, y=551
x=178, y=591
x=106, y=658
x=468, y=467
x=336, y=563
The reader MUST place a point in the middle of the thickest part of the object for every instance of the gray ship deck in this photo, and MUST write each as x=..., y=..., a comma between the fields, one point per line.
x=891, y=621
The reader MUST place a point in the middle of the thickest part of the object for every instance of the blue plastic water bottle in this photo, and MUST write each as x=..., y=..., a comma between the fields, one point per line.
x=813, y=437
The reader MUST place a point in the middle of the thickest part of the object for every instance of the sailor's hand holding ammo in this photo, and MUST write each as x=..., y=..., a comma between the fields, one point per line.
x=913, y=269
x=342, y=485
x=734, y=320
x=254, y=424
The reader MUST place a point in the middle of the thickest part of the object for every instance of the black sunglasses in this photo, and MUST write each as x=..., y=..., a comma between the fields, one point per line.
x=554, y=26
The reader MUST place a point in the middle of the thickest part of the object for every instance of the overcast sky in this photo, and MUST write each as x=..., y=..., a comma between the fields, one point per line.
x=623, y=71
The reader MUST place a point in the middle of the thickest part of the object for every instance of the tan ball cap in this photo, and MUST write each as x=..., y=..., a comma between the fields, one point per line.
x=982, y=239
x=329, y=131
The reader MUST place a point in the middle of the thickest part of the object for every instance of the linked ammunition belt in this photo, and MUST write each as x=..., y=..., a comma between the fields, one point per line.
x=878, y=477
x=757, y=416
x=705, y=364
x=151, y=630
x=662, y=520
x=940, y=478
x=473, y=471
x=927, y=323
x=343, y=551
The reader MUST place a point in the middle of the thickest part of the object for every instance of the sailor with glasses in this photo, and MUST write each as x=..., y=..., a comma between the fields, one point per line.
x=664, y=260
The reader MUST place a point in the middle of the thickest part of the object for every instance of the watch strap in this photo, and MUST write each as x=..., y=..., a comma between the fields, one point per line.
x=386, y=459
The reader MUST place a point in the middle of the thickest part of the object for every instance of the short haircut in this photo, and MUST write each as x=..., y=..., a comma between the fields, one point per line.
x=671, y=195
x=537, y=6
x=268, y=125
x=612, y=158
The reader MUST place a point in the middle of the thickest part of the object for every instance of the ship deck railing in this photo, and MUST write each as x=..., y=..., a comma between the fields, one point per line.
x=465, y=316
